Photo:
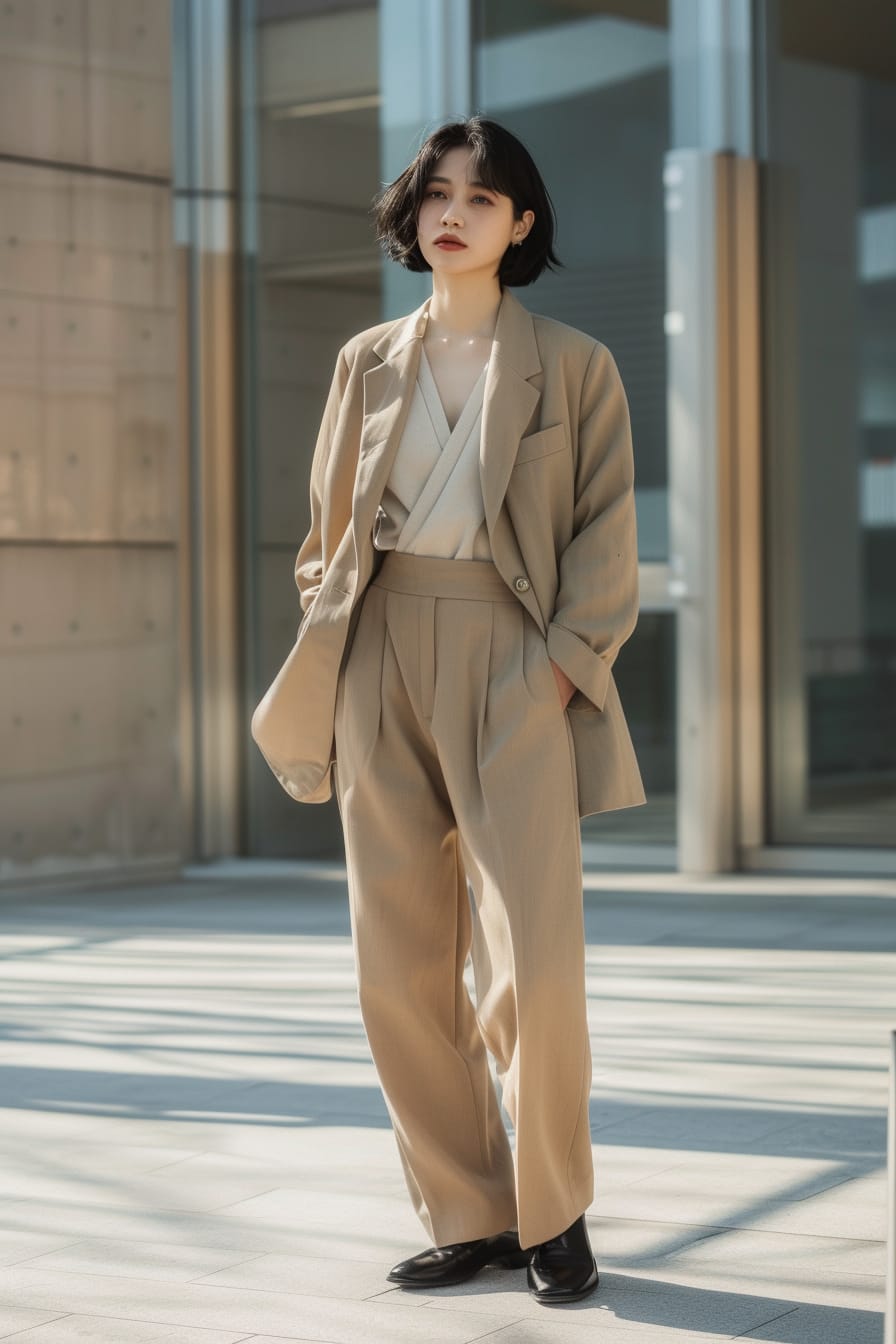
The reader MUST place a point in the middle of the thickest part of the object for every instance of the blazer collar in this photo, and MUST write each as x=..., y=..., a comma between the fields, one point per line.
x=514, y=343
x=401, y=331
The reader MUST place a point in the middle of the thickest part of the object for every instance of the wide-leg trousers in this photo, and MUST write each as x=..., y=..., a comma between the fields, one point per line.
x=454, y=761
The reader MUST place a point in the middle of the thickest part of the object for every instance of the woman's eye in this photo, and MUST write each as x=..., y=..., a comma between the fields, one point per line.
x=482, y=198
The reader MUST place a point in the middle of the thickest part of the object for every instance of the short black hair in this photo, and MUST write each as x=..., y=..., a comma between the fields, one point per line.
x=504, y=165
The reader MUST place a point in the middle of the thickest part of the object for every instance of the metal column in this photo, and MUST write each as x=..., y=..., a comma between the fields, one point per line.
x=205, y=232
x=711, y=326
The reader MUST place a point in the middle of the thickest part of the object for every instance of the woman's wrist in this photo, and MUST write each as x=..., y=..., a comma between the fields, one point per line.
x=566, y=689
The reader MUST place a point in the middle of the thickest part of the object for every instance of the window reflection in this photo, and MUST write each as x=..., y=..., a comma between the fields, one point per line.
x=830, y=229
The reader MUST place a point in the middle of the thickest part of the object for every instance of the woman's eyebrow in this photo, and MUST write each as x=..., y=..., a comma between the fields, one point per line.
x=469, y=184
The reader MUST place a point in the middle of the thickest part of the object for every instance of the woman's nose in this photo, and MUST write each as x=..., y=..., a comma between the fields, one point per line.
x=450, y=215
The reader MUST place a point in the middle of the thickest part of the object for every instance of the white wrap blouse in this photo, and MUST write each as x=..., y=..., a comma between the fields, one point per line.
x=432, y=503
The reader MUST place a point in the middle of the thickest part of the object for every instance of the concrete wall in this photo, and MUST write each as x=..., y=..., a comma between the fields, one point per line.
x=89, y=442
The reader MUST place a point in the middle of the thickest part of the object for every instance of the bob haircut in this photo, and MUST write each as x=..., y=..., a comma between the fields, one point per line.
x=504, y=165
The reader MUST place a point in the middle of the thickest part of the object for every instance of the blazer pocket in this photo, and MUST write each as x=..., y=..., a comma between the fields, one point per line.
x=542, y=444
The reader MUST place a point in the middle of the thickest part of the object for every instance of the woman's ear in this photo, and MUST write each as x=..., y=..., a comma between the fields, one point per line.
x=522, y=226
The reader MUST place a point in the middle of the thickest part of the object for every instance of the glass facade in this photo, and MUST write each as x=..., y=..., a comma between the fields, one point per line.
x=829, y=224
x=313, y=138
x=186, y=192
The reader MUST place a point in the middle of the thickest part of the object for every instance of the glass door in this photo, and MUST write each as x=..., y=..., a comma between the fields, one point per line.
x=829, y=241
x=312, y=278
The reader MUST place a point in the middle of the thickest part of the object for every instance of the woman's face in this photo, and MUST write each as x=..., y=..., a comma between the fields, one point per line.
x=480, y=220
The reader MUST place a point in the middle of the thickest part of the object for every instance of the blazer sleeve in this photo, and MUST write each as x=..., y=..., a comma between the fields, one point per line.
x=309, y=571
x=597, y=599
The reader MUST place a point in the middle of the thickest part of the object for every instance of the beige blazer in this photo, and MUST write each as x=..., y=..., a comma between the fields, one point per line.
x=557, y=482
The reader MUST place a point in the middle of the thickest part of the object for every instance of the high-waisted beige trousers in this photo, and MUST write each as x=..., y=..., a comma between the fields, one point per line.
x=454, y=762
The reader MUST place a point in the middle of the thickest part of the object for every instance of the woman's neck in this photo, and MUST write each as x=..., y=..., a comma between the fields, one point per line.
x=459, y=311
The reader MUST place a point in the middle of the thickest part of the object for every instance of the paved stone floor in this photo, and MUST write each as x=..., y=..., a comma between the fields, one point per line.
x=193, y=1146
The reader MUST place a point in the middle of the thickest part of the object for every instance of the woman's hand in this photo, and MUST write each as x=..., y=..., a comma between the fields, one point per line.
x=565, y=687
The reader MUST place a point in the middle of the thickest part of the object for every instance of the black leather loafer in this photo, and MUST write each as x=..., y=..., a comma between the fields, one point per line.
x=563, y=1269
x=441, y=1266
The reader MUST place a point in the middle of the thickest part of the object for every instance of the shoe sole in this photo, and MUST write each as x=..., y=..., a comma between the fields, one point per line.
x=514, y=1260
x=558, y=1299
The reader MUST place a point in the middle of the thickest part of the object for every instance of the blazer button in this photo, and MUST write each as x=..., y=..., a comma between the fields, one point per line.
x=521, y=584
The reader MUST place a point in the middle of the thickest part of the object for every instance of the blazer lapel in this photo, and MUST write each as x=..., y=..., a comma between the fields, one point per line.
x=388, y=389
x=509, y=402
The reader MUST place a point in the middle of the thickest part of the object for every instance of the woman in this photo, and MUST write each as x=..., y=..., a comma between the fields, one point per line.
x=469, y=576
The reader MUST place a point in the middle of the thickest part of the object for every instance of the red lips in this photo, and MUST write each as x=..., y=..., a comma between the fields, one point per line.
x=450, y=238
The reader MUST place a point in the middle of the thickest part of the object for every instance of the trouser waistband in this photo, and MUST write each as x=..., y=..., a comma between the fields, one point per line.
x=432, y=576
